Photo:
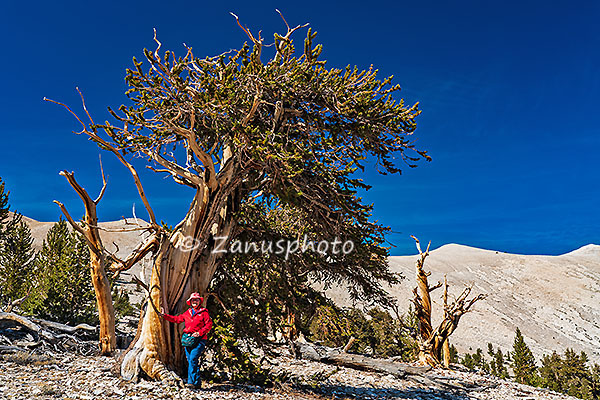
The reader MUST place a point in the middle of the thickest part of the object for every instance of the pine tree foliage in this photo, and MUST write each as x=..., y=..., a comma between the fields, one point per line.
x=453, y=354
x=63, y=291
x=570, y=374
x=595, y=381
x=331, y=326
x=384, y=335
x=16, y=261
x=16, y=252
x=476, y=361
x=523, y=362
x=497, y=364
x=376, y=331
x=297, y=131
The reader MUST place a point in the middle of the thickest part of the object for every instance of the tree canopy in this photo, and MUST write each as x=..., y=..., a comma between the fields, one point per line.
x=286, y=131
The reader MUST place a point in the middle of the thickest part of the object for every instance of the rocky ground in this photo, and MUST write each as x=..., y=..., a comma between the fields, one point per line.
x=66, y=376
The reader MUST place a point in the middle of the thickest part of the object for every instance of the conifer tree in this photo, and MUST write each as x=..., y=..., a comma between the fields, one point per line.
x=501, y=369
x=497, y=367
x=16, y=252
x=467, y=361
x=595, y=381
x=550, y=372
x=569, y=374
x=16, y=259
x=476, y=361
x=453, y=354
x=575, y=374
x=523, y=362
x=64, y=292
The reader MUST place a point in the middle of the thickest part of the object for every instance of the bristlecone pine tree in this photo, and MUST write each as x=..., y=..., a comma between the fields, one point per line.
x=523, y=362
x=243, y=133
x=433, y=344
x=99, y=259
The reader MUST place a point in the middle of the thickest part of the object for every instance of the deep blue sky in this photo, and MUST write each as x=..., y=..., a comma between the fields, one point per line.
x=510, y=93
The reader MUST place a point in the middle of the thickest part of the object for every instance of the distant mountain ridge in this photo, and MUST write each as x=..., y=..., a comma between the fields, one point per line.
x=554, y=300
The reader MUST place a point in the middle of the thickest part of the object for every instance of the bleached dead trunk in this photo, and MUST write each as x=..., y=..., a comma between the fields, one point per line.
x=433, y=344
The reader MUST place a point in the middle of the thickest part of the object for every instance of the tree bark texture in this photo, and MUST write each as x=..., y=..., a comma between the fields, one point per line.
x=106, y=311
x=184, y=263
x=434, y=348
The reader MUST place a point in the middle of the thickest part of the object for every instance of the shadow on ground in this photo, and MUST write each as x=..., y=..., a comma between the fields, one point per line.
x=344, y=391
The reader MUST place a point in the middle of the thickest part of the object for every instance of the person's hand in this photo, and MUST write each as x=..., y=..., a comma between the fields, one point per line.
x=196, y=334
x=162, y=311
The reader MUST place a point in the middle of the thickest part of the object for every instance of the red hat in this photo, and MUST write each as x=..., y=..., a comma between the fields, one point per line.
x=194, y=295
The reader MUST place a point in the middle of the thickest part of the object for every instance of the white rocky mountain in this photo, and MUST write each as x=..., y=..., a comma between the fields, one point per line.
x=554, y=300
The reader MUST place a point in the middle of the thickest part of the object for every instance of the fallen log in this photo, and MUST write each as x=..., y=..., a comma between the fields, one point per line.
x=414, y=373
x=27, y=323
x=27, y=344
x=11, y=349
x=64, y=328
x=50, y=335
x=329, y=355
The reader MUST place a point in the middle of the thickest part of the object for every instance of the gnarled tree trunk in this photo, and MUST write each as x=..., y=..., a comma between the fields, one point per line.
x=433, y=344
x=104, y=303
x=184, y=263
x=106, y=311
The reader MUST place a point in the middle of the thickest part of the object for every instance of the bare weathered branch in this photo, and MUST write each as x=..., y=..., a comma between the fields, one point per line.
x=151, y=244
x=103, y=182
x=18, y=301
x=292, y=30
x=75, y=225
x=220, y=302
x=107, y=335
x=71, y=111
x=139, y=282
x=159, y=44
x=349, y=344
x=254, y=107
x=26, y=322
x=92, y=133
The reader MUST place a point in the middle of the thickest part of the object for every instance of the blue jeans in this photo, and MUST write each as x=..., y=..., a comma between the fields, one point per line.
x=193, y=355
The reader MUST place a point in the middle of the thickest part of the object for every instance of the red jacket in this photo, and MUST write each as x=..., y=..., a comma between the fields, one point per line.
x=194, y=322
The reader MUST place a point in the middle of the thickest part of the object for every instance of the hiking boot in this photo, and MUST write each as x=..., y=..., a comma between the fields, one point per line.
x=193, y=387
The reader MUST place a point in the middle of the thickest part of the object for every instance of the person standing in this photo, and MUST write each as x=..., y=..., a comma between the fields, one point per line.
x=197, y=325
